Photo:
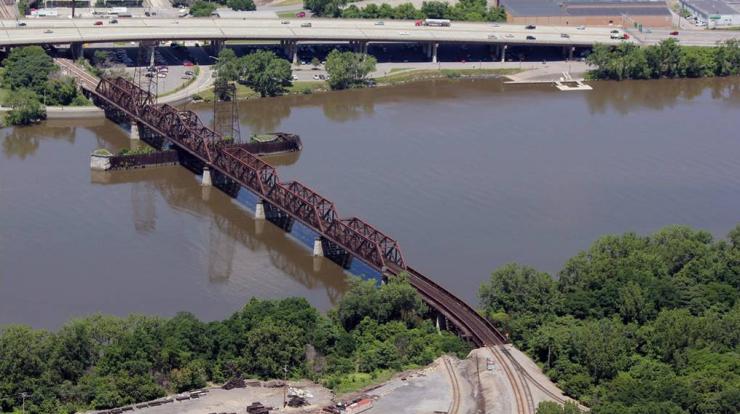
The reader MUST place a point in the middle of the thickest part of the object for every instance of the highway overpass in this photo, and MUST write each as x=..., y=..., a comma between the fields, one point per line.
x=290, y=32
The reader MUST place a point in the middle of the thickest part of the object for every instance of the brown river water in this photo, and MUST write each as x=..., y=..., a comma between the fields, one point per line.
x=466, y=175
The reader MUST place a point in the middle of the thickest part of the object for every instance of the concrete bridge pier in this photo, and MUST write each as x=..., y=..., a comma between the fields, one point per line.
x=433, y=50
x=503, y=53
x=205, y=180
x=216, y=47
x=75, y=49
x=259, y=210
x=318, y=248
x=290, y=48
x=134, y=134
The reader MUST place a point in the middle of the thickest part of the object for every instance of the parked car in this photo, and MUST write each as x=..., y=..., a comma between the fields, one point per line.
x=189, y=72
x=531, y=37
x=187, y=63
x=307, y=24
x=300, y=14
x=530, y=27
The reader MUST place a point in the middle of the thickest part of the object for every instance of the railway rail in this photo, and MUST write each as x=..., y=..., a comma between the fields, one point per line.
x=455, y=385
x=522, y=394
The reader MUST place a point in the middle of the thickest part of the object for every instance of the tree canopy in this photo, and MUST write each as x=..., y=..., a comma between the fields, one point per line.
x=634, y=324
x=101, y=361
x=266, y=73
x=348, y=69
x=28, y=67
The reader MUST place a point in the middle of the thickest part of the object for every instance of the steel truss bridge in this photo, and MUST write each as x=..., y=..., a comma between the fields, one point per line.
x=234, y=167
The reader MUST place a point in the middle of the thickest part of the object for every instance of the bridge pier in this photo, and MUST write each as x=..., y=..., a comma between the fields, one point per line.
x=503, y=53
x=75, y=49
x=149, y=46
x=216, y=47
x=290, y=48
x=433, y=49
x=259, y=210
x=318, y=248
x=206, y=178
x=134, y=134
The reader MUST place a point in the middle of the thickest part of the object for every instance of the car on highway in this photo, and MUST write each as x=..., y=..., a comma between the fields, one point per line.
x=284, y=22
x=530, y=37
x=565, y=35
x=379, y=23
x=674, y=33
x=509, y=36
x=580, y=27
x=47, y=31
x=614, y=31
x=495, y=25
x=305, y=24
x=21, y=24
x=492, y=36
x=403, y=33
x=113, y=21
x=98, y=23
x=530, y=27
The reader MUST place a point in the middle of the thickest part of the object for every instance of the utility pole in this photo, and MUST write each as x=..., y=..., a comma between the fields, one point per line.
x=23, y=396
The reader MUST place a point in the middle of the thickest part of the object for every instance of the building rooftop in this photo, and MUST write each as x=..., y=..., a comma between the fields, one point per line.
x=585, y=7
x=712, y=6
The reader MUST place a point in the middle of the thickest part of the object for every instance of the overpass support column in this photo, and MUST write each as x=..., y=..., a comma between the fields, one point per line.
x=134, y=134
x=570, y=52
x=216, y=47
x=295, y=53
x=434, y=47
x=75, y=49
x=363, y=47
x=503, y=53
x=206, y=179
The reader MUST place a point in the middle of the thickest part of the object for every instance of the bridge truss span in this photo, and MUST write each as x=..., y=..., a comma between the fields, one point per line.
x=292, y=199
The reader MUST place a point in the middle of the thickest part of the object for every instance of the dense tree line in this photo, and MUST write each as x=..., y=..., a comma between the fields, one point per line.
x=464, y=10
x=666, y=60
x=104, y=361
x=201, y=8
x=263, y=71
x=633, y=324
x=34, y=80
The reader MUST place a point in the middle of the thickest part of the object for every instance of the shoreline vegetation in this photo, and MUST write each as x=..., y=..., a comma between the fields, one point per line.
x=101, y=361
x=393, y=78
x=668, y=59
x=634, y=324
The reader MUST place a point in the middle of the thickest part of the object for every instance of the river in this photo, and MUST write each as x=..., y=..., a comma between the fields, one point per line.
x=466, y=175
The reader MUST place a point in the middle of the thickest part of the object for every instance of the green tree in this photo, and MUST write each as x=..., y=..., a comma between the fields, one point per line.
x=348, y=69
x=435, y=9
x=727, y=58
x=60, y=91
x=515, y=289
x=202, y=8
x=25, y=108
x=266, y=73
x=241, y=5
x=228, y=67
x=28, y=67
x=407, y=11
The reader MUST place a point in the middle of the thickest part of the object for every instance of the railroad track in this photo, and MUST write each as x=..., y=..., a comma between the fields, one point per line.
x=455, y=384
x=86, y=80
x=531, y=379
x=522, y=394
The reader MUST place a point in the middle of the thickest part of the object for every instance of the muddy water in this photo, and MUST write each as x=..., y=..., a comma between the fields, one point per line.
x=467, y=175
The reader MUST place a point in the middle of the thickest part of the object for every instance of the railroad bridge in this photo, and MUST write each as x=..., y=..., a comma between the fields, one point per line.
x=232, y=167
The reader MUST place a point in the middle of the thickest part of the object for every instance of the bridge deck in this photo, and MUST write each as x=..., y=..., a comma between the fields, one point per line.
x=358, y=238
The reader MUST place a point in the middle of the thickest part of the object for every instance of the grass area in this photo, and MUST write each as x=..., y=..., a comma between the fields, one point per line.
x=416, y=75
x=4, y=94
x=244, y=92
x=359, y=380
x=288, y=14
x=398, y=69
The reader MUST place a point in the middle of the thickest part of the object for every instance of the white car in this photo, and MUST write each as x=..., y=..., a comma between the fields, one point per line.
x=509, y=36
x=403, y=33
x=581, y=27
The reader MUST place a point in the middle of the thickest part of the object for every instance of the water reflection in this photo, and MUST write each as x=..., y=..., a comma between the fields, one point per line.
x=23, y=142
x=229, y=225
x=658, y=94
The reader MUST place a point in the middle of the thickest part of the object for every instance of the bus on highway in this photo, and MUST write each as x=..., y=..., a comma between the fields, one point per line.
x=433, y=22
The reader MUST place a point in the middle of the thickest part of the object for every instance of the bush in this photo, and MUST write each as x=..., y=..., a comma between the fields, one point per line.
x=25, y=108
x=202, y=9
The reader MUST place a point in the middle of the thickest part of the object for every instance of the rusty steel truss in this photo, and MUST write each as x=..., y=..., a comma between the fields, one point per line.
x=185, y=130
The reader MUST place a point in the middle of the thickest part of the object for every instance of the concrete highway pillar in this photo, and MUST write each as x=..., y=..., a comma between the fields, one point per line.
x=503, y=53
x=318, y=249
x=433, y=48
x=295, y=53
x=259, y=210
x=75, y=49
x=205, y=181
x=134, y=134
x=570, y=53
x=216, y=47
